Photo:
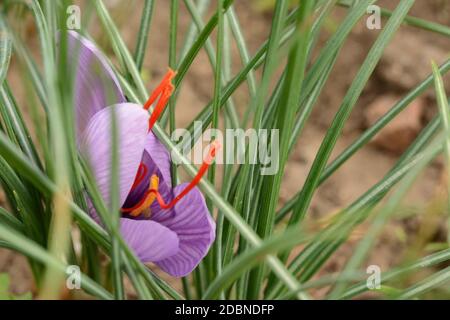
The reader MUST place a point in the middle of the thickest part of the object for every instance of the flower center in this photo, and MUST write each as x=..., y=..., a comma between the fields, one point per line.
x=143, y=206
x=152, y=194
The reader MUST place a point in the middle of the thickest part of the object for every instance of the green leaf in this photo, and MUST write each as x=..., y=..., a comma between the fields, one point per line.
x=436, y=280
x=32, y=250
x=426, y=262
x=382, y=217
x=345, y=109
x=5, y=52
x=144, y=30
x=285, y=115
x=251, y=258
x=412, y=21
x=209, y=190
x=444, y=112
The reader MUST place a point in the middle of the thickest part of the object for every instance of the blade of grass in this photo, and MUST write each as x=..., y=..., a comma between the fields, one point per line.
x=361, y=205
x=15, y=188
x=380, y=220
x=205, y=115
x=316, y=70
x=211, y=267
x=174, y=4
x=9, y=220
x=47, y=186
x=345, y=109
x=426, y=262
x=36, y=252
x=59, y=232
x=271, y=61
x=115, y=211
x=201, y=5
x=445, y=120
x=286, y=109
x=436, y=280
x=252, y=195
x=217, y=87
x=245, y=57
x=412, y=21
x=11, y=114
x=251, y=258
x=227, y=168
x=230, y=110
x=210, y=191
x=197, y=45
x=118, y=44
x=364, y=138
x=5, y=51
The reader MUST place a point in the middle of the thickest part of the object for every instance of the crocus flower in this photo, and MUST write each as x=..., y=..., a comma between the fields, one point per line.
x=169, y=226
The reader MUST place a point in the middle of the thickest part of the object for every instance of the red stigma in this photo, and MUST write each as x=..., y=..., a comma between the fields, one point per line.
x=214, y=146
x=142, y=172
x=163, y=92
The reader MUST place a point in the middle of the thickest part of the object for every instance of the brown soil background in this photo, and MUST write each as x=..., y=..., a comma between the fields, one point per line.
x=406, y=62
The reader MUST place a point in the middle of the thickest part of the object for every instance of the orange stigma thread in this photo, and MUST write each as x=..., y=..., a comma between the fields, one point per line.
x=215, y=145
x=163, y=91
x=142, y=172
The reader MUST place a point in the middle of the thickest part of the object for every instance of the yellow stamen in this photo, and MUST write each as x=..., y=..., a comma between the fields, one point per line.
x=148, y=199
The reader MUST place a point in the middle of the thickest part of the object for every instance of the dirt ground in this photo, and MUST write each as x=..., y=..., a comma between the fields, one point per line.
x=406, y=62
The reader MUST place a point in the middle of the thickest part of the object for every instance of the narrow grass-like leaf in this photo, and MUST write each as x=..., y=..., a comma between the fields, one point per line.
x=59, y=231
x=412, y=21
x=36, y=252
x=7, y=218
x=217, y=82
x=350, y=217
x=122, y=52
x=245, y=57
x=426, y=262
x=344, y=111
x=5, y=51
x=230, y=110
x=251, y=258
x=144, y=29
x=115, y=210
x=379, y=221
x=444, y=112
x=286, y=109
x=436, y=280
x=367, y=135
x=276, y=265
x=197, y=45
x=11, y=114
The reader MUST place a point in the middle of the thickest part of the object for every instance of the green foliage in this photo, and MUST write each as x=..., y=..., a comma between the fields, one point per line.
x=44, y=179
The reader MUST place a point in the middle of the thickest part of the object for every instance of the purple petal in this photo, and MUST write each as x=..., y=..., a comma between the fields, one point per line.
x=159, y=155
x=149, y=240
x=195, y=229
x=95, y=146
x=96, y=85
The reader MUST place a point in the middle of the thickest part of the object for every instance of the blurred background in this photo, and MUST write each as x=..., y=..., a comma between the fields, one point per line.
x=417, y=228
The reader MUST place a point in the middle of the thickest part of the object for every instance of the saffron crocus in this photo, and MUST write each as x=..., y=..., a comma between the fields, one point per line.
x=169, y=226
